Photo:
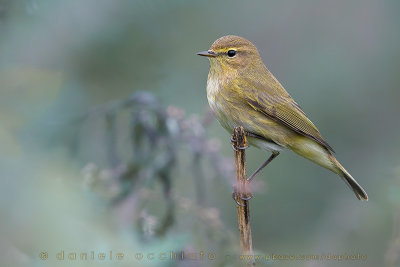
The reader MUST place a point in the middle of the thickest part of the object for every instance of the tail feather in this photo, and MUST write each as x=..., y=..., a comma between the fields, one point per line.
x=320, y=155
x=350, y=181
x=357, y=189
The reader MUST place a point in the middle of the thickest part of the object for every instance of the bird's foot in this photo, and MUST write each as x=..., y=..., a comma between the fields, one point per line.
x=236, y=195
x=236, y=148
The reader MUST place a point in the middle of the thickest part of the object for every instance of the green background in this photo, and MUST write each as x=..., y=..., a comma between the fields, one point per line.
x=340, y=60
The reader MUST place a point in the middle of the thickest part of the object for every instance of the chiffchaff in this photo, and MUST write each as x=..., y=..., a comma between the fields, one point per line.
x=241, y=91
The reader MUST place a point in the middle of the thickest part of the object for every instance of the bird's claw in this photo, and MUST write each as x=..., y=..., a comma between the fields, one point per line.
x=243, y=196
x=236, y=148
x=234, y=196
x=250, y=196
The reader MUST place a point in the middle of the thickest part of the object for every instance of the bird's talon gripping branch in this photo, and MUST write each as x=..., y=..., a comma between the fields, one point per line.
x=250, y=196
x=235, y=197
x=234, y=148
x=243, y=196
x=237, y=148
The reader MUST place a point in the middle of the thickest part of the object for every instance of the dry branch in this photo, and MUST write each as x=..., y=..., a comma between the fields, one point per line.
x=242, y=192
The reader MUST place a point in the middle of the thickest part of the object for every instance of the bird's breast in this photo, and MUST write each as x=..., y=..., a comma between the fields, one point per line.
x=213, y=88
x=231, y=110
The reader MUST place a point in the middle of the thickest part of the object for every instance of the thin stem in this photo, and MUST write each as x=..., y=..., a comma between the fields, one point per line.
x=242, y=192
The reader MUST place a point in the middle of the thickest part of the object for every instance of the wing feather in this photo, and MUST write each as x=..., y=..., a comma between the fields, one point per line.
x=283, y=109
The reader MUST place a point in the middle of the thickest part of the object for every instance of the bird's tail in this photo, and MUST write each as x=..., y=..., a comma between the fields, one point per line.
x=350, y=181
x=315, y=152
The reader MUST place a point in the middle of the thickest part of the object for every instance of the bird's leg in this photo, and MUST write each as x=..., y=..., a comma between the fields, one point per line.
x=274, y=155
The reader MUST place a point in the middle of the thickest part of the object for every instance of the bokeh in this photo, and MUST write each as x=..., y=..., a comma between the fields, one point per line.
x=107, y=144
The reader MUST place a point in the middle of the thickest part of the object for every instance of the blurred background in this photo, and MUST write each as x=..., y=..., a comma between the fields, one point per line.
x=107, y=144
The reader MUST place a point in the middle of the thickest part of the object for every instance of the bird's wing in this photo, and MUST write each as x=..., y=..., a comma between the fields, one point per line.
x=284, y=110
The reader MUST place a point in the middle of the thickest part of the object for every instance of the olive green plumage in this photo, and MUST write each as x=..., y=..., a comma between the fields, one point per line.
x=242, y=91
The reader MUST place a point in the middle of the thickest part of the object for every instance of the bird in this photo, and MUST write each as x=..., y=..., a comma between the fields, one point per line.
x=241, y=91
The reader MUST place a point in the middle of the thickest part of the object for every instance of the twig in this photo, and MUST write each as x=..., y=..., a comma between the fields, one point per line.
x=242, y=192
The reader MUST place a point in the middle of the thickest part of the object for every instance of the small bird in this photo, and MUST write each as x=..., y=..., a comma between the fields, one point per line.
x=241, y=91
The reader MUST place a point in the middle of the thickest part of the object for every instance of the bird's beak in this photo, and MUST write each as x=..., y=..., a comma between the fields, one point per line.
x=208, y=53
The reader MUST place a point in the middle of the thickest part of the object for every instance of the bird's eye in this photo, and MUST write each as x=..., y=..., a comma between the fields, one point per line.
x=231, y=53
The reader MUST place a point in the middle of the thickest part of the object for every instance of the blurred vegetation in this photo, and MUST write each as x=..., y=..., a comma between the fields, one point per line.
x=106, y=141
x=156, y=136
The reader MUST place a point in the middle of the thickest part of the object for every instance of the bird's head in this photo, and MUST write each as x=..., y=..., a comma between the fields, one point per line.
x=230, y=53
